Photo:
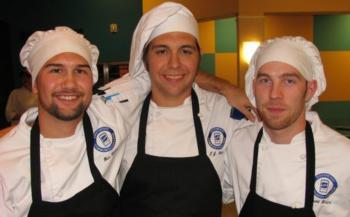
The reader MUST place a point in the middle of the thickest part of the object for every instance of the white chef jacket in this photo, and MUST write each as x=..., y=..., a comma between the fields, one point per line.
x=281, y=169
x=170, y=131
x=64, y=163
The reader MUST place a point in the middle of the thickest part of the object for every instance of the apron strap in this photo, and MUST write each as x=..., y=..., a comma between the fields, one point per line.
x=89, y=139
x=35, y=156
x=310, y=167
x=35, y=161
x=197, y=125
x=255, y=161
x=143, y=125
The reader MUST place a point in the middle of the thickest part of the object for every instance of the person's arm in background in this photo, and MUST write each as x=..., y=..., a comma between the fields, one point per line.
x=235, y=96
x=10, y=111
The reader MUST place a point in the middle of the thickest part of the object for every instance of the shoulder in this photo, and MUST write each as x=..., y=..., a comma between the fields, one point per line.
x=329, y=144
x=18, y=137
x=323, y=134
x=14, y=151
x=101, y=113
x=247, y=131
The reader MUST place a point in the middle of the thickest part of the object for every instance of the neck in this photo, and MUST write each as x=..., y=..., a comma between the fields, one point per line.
x=169, y=101
x=51, y=127
x=285, y=135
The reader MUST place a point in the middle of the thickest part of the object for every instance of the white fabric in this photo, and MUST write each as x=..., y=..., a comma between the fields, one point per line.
x=164, y=140
x=167, y=17
x=295, y=51
x=64, y=164
x=286, y=52
x=43, y=45
x=281, y=169
x=182, y=21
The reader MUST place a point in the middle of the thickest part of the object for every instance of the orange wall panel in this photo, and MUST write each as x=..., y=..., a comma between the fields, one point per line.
x=226, y=66
x=337, y=71
x=207, y=36
x=202, y=10
x=302, y=6
x=293, y=25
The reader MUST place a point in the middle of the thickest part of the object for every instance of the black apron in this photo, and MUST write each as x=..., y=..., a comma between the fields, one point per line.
x=171, y=186
x=97, y=200
x=256, y=206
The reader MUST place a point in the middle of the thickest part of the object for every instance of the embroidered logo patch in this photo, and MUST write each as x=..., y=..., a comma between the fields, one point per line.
x=217, y=138
x=325, y=185
x=104, y=139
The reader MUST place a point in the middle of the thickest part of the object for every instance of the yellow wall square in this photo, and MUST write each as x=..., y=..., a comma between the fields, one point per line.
x=207, y=36
x=226, y=66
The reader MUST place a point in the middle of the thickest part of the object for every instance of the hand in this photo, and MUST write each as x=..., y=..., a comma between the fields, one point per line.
x=237, y=98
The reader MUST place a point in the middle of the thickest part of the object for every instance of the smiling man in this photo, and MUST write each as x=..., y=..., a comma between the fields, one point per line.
x=173, y=161
x=63, y=157
x=291, y=164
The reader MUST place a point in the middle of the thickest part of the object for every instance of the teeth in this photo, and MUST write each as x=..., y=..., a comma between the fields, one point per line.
x=67, y=97
x=173, y=76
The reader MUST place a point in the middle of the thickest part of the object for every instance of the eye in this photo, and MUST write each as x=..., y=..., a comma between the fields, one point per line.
x=55, y=70
x=187, y=51
x=264, y=81
x=81, y=71
x=161, y=51
x=290, y=81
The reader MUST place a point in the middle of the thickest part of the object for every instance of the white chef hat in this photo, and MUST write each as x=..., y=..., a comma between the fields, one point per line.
x=43, y=45
x=165, y=18
x=295, y=51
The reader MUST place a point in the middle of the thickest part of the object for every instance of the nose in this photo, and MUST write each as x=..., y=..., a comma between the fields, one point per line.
x=69, y=80
x=174, y=60
x=275, y=91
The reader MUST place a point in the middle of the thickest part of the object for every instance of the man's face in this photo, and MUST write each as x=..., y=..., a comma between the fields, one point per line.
x=64, y=87
x=172, y=61
x=281, y=93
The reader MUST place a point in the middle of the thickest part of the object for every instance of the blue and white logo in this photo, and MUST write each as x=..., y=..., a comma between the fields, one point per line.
x=104, y=139
x=325, y=185
x=217, y=138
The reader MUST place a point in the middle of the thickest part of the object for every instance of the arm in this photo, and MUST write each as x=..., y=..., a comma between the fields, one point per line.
x=10, y=112
x=234, y=95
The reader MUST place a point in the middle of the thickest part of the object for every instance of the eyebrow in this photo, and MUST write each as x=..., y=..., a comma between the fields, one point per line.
x=288, y=74
x=60, y=65
x=166, y=46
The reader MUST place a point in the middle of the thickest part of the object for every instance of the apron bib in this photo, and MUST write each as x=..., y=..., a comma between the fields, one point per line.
x=171, y=186
x=256, y=206
x=97, y=200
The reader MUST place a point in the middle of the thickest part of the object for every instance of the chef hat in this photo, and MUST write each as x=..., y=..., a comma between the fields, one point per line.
x=43, y=45
x=295, y=51
x=165, y=18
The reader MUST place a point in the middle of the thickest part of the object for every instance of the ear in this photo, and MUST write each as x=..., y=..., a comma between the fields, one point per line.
x=253, y=86
x=311, y=89
x=34, y=87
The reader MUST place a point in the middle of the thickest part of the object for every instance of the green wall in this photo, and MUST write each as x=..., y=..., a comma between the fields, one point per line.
x=332, y=32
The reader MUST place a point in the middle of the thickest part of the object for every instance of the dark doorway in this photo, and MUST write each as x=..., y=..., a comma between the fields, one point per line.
x=6, y=81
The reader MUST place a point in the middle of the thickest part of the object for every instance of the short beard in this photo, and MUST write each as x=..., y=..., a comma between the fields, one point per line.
x=54, y=111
